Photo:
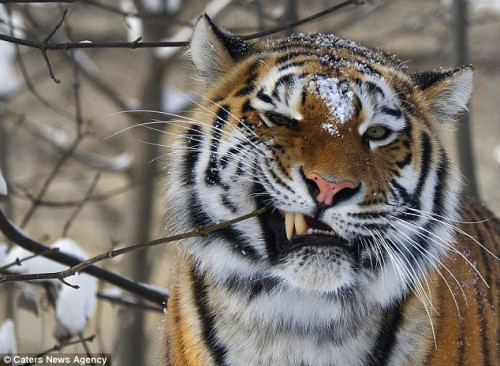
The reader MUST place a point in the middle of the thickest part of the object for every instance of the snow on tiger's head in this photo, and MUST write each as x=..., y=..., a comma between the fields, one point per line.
x=337, y=140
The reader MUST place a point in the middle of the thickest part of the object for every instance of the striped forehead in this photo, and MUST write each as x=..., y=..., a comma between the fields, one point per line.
x=379, y=103
x=282, y=90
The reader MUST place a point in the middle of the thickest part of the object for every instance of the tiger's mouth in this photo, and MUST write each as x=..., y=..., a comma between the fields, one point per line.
x=289, y=231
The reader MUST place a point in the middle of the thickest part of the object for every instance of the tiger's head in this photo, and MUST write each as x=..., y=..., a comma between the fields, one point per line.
x=339, y=143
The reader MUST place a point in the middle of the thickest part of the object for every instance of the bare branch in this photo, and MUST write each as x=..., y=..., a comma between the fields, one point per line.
x=59, y=347
x=79, y=207
x=113, y=253
x=53, y=174
x=70, y=203
x=15, y=235
x=88, y=266
x=18, y=261
x=43, y=48
x=42, y=45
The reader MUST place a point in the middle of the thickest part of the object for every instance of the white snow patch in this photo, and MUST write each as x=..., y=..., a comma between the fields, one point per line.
x=337, y=97
x=74, y=307
x=8, y=344
x=3, y=253
x=3, y=185
x=332, y=129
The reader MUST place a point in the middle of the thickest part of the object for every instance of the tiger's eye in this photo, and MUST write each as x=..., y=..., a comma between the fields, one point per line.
x=281, y=120
x=377, y=133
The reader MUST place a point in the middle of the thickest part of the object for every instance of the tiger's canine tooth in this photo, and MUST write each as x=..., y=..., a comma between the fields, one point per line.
x=289, y=224
x=300, y=224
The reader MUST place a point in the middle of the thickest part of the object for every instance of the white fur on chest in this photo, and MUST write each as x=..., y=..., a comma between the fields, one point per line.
x=288, y=327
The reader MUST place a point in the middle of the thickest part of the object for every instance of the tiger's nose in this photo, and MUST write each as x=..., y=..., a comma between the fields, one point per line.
x=327, y=189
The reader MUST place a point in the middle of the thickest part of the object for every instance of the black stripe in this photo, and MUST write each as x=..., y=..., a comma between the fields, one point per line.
x=391, y=111
x=198, y=217
x=386, y=337
x=441, y=186
x=229, y=205
x=207, y=318
x=374, y=92
x=292, y=55
x=246, y=107
x=292, y=64
x=400, y=191
x=193, y=140
x=212, y=174
x=407, y=160
x=231, y=154
x=245, y=91
x=424, y=169
x=264, y=97
x=251, y=287
x=283, y=80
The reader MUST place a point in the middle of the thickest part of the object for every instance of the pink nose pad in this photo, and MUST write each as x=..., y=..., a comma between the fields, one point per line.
x=327, y=190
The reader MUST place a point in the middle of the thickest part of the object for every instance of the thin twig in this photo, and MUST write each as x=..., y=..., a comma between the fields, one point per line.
x=71, y=203
x=53, y=174
x=26, y=77
x=18, y=261
x=303, y=21
x=59, y=347
x=45, y=42
x=79, y=207
x=15, y=235
x=85, y=346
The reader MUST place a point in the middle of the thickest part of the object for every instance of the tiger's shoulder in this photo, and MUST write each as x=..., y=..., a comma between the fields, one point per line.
x=467, y=291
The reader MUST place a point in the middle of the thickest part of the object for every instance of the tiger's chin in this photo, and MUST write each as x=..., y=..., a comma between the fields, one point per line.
x=319, y=268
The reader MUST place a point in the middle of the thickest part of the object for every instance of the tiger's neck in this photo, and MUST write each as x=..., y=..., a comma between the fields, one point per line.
x=259, y=322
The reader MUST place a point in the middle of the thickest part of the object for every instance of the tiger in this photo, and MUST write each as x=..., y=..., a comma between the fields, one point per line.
x=369, y=249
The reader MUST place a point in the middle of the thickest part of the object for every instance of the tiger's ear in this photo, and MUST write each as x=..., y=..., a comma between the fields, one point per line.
x=214, y=50
x=447, y=92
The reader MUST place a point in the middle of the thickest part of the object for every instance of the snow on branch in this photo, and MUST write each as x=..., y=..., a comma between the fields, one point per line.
x=75, y=304
x=8, y=345
x=17, y=236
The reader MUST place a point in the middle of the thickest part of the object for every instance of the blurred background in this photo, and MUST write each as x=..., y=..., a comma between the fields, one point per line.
x=78, y=165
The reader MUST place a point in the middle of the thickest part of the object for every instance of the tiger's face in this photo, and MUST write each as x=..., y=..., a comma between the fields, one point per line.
x=338, y=143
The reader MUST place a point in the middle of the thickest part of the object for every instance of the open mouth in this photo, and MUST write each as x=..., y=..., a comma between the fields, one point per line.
x=290, y=231
x=299, y=225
